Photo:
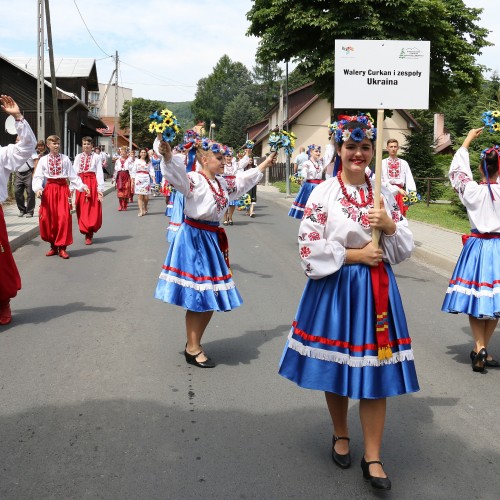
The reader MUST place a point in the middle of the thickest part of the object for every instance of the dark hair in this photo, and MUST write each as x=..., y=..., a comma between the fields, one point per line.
x=491, y=162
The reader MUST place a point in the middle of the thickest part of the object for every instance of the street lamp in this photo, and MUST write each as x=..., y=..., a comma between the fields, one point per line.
x=212, y=130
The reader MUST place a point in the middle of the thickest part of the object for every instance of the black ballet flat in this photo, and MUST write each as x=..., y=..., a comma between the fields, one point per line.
x=490, y=363
x=379, y=483
x=191, y=359
x=343, y=461
x=479, y=361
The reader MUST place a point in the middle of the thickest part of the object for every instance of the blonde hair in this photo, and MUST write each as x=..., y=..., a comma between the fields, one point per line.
x=53, y=138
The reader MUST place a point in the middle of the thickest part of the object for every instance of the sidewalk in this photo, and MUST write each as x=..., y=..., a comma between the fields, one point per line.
x=434, y=246
x=22, y=229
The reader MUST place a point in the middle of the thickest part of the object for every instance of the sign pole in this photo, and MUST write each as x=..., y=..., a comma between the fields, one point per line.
x=379, y=145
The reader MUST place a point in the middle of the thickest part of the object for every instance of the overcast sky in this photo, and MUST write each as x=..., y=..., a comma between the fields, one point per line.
x=164, y=46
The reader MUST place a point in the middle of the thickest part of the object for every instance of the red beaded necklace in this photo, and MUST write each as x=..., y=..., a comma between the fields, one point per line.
x=353, y=201
x=219, y=194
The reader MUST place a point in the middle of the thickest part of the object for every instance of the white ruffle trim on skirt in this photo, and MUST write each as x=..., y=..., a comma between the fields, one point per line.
x=201, y=287
x=345, y=359
x=483, y=292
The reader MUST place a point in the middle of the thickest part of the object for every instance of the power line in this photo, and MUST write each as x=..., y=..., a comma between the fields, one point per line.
x=91, y=36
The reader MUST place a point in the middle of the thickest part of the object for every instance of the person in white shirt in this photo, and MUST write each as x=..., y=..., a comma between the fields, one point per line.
x=474, y=288
x=54, y=170
x=88, y=165
x=299, y=159
x=25, y=196
x=11, y=157
x=396, y=175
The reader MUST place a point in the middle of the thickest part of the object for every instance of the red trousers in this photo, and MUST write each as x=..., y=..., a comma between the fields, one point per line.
x=10, y=281
x=88, y=209
x=55, y=222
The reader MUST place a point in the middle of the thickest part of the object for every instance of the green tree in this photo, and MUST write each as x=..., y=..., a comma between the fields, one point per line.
x=304, y=31
x=239, y=113
x=217, y=90
x=265, y=90
x=141, y=109
x=418, y=152
x=297, y=78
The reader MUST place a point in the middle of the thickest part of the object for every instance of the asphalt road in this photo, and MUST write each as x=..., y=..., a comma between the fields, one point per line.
x=96, y=400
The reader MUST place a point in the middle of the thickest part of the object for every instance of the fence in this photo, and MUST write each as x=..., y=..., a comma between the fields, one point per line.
x=428, y=183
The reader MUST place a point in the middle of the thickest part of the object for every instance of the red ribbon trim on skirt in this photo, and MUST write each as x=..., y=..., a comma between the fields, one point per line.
x=475, y=283
x=345, y=345
x=483, y=236
x=196, y=278
x=221, y=236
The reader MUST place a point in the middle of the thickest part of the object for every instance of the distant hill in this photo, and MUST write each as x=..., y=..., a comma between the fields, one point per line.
x=182, y=111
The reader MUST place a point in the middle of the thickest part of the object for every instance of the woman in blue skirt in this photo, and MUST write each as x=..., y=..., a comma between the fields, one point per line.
x=350, y=338
x=196, y=274
x=474, y=287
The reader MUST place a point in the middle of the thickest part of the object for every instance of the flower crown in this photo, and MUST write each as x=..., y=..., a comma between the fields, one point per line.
x=191, y=137
x=357, y=134
x=209, y=145
x=282, y=139
x=491, y=120
x=164, y=123
x=312, y=147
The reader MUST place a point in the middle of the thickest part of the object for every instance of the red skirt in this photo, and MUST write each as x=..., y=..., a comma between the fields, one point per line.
x=88, y=210
x=56, y=225
x=123, y=184
x=10, y=281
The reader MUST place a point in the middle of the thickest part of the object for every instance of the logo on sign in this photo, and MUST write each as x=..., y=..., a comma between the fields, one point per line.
x=347, y=50
x=410, y=53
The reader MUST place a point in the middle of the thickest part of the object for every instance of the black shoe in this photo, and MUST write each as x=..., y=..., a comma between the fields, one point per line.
x=479, y=361
x=29, y=215
x=490, y=363
x=343, y=461
x=379, y=483
x=191, y=359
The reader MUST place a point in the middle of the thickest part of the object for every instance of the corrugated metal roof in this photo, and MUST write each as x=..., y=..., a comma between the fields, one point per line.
x=65, y=67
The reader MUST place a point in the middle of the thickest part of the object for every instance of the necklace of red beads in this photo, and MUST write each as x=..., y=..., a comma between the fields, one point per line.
x=353, y=201
x=219, y=194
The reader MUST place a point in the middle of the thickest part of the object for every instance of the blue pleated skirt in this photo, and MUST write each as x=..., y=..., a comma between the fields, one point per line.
x=474, y=288
x=195, y=275
x=177, y=217
x=299, y=204
x=332, y=345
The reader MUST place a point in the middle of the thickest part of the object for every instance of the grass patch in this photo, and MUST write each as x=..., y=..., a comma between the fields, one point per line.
x=281, y=185
x=439, y=214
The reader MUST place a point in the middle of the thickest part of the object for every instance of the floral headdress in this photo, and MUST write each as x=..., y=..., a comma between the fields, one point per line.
x=164, y=123
x=191, y=137
x=227, y=151
x=312, y=147
x=215, y=147
x=282, y=139
x=485, y=152
x=491, y=120
x=343, y=133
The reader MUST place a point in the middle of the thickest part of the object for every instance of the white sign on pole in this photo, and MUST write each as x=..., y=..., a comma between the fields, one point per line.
x=388, y=74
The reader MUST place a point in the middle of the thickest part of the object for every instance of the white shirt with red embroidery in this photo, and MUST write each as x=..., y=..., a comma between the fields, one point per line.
x=483, y=212
x=201, y=201
x=120, y=165
x=236, y=166
x=312, y=170
x=331, y=225
x=56, y=167
x=397, y=172
x=85, y=163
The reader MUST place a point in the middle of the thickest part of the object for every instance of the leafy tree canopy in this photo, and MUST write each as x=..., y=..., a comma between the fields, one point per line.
x=239, y=113
x=304, y=31
x=218, y=89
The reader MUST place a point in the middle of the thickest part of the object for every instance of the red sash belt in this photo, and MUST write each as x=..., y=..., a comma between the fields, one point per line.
x=483, y=236
x=142, y=172
x=380, y=289
x=315, y=181
x=221, y=236
x=62, y=181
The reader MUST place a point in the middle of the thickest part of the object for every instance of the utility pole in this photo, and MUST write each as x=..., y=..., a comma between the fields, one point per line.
x=115, y=132
x=55, y=107
x=287, y=168
x=130, y=133
x=40, y=93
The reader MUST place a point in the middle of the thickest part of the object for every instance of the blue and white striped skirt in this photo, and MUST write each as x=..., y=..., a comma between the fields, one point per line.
x=298, y=206
x=332, y=345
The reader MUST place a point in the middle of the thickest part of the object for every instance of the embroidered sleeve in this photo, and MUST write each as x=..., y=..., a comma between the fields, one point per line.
x=460, y=173
x=319, y=256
